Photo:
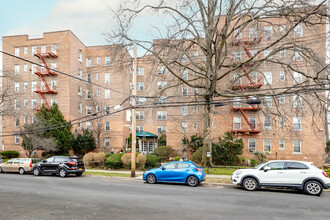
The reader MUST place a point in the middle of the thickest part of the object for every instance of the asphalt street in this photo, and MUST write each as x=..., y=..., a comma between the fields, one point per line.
x=88, y=197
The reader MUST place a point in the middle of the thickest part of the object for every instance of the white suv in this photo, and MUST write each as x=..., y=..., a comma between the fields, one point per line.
x=283, y=173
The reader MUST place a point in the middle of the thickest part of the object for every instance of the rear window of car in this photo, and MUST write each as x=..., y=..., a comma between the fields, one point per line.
x=25, y=161
x=196, y=165
x=296, y=166
x=183, y=165
x=58, y=160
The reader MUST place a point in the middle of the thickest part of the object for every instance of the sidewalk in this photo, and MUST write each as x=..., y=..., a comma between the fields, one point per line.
x=140, y=173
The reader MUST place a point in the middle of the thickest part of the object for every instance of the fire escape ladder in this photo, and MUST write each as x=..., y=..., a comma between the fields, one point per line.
x=246, y=119
x=246, y=50
x=43, y=74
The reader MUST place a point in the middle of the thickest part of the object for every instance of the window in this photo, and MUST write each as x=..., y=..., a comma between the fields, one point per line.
x=252, y=145
x=43, y=49
x=162, y=100
x=275, y=165
x=79, y=125
x=267, y=145
x=32, y=119
x=107, y=77
x=53, y=66
x=161, y=115
x=98, y=60
x=106, y=142
x=107, y=110
x=298, y=31
x=195, y=91
x=268, y=78
x=252, y=121
x=161, y=85
x=80, y=108
x=25, y=119
x=53, y=101
x=25, y=85
x=237, y=34
x=184, y=58
x=195, y=125
x=195, y=53
x=140, y=100
x=161, y=130
x=184, y=91
x=53, y=48
x=195, y=108
x=161, y=70
x=88, y=94
x=98, y=76
x=80, y=56
x=33, y=86
x=16, y=104
x=268, y=32
x=266, y=54
x=16, y=69
x=107, y=93
x=185, y=110
x=237, y=79
x=25, y=67
x=297, y=146
x=107, y=126
x=79, y=74
x=98, y=108
x=282, y=75
x=26, y=50
x=88, y=110
x=282, y=144
x=139, y=129
x=297, y=101
x=140, y=86
x=267, y=123
x=237, y=123
x=33, y=103
x=140, y=71
x=282, y=53
x=25, y=102
x=237, y=102
x=33, y=68
x=98, y=92
x=297, y=123
x=16, y=86
x=184, y=127
x=16, y=139
x=16, y=122
x=17, y=51
x=107, y=61
x=282, y=122
x=139, y=115
x=79, y=91
x=89, y=77
x=253, y=33
x=53, y=85
x=185, y=75
x=297, y=55
x=254, y=77
x=34, y=50
x=296, y=166
x=268, y=102
x=88, y=62
x=88, y=125
x=282, y=99
x=237, y=56
x=283, y=29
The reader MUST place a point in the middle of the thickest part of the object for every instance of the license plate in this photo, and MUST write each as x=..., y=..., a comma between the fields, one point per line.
x=80, y=169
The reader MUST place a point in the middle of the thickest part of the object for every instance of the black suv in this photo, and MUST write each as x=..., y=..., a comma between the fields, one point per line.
x=61, y=165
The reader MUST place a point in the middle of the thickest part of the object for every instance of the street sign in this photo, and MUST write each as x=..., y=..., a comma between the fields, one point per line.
x=208, y=154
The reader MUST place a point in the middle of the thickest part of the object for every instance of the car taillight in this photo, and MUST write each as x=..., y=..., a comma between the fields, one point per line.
x=198, y=169
x=325, y=174
x=72, y=163
x=30, y=163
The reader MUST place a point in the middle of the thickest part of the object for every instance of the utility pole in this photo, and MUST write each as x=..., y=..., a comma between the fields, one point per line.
x=133, y=111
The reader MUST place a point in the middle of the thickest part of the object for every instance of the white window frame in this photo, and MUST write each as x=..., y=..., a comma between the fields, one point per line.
x=281, y=122
x=17, y=69
x=268, y=101
x=282, y=75
x=184, y=91
x=140, y=86
x=107, y=142
x=237, y=123
x=161, y=115
x=88, y=62
x=16, y=139
x=140, y=71
x=268, y=80
x=298, y=31
x=26, y=50
x=297, y=124
x=161, y=129
x=295, y=143
x=107, y=77
x=185, y=110
x=250, y=142
x=98, y=60
x=297, y=101
x=282, y=99
x=107, y=93
x=267, y=123
x=17, y=50
x=281, y=144
x=266, y=143
x=184, y=127
x=139, y=115
x=107, y=61
x=107, y=126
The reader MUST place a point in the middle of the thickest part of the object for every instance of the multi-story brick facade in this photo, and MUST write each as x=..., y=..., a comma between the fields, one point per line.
x=296, y=133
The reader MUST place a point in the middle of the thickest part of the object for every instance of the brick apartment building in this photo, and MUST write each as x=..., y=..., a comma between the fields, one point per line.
x=296, y=133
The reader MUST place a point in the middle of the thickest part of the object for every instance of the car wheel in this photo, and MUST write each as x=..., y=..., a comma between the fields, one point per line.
x=151, y=178
x=313, y=188
x=78, y=174
x=250, y=184
x=21, y=170
x=63, y=173
x=36, y=172
x=192, y=181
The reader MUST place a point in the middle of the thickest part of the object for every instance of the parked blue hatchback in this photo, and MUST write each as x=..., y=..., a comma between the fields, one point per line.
x=176, y=172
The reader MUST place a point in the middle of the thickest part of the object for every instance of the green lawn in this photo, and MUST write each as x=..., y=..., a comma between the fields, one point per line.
x=94, y=173
x=221, y=171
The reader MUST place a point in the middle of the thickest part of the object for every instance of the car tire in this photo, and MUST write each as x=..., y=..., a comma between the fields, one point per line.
x=313, y=188
x=21, y=170
x=78, y=174
x=151, y=178
x=250, y=184
x=63, y=173
x=192, y=181
x=36, y=172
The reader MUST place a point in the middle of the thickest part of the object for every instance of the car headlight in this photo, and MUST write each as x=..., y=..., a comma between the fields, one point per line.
x=145, y=172
x=238, y=172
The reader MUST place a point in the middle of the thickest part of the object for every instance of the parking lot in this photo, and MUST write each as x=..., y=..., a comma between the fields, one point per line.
x=88, y=197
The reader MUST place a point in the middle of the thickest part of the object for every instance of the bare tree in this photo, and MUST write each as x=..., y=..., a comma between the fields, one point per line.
x=204, y=37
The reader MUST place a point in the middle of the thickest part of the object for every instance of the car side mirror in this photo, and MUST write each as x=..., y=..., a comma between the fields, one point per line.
x=266, y=168
x=44, y=161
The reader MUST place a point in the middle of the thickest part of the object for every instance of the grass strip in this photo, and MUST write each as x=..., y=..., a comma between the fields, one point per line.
x=94, y=173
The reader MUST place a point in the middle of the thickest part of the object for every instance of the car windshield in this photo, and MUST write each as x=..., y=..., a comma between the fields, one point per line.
x=258, y=166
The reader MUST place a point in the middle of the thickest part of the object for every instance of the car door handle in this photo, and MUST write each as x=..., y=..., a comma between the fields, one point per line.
x=303, y=172
x=279, y=172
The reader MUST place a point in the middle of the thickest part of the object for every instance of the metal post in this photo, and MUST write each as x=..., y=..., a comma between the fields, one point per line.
x=133, y=112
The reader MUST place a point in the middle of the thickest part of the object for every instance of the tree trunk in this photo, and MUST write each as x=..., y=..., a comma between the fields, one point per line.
x=208, y=133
